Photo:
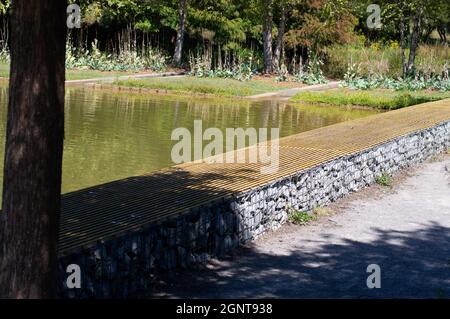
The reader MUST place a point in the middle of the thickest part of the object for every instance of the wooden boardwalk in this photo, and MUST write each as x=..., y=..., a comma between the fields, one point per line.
x=109, y=210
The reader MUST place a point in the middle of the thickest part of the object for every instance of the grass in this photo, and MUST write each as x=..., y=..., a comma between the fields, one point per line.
x=72, y=74
x=301, y=218
x=214, y=86
x=384, y=180
x=383, y=60
x=379, y=98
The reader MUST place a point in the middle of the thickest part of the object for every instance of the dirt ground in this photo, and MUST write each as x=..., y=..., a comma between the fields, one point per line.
x=405, y=229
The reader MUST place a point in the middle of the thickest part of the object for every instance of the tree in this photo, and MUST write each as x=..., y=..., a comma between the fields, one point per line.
x=182, y=11
x=409, y=19
x=33, y=154
x=267, y=21
x=410, y=11
x=280, y=36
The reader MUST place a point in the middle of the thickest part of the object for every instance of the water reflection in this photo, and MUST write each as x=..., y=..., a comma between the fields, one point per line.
x=110, y=136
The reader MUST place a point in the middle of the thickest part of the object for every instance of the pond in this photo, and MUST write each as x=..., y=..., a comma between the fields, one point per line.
x=111, y=136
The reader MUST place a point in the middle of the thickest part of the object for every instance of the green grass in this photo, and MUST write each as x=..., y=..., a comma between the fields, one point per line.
x=379, y=98
x=215, y=86
x=384, y=180
x=72, y=74
x=301, y=218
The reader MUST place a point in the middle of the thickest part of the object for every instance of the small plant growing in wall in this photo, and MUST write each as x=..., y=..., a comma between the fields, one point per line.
x=384, y=180
x=300, y=218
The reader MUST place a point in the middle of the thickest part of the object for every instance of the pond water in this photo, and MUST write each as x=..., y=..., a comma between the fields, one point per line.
x=110, y=136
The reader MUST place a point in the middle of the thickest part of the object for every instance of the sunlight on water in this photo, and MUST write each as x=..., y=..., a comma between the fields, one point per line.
x=110, y=136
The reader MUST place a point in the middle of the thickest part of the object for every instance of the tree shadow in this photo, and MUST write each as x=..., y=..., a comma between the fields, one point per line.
x=106, y=211
x=414, y=264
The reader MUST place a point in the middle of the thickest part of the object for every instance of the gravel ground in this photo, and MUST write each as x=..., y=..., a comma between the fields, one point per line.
x=405, y=229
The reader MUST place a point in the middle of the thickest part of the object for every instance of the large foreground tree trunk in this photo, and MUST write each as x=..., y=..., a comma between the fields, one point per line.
x=182, y=11
x=267, y=34
x=280, y=36
x=33, y=154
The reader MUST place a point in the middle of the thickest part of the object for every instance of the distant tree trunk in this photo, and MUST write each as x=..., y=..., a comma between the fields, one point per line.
x=182, y=11
x=417, y=29
x=279, y=40
x=403, y=30
x=33, y=154
x=267, y=34
x=442, y=34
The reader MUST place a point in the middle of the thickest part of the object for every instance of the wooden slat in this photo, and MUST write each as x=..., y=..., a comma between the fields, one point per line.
x=107, y=210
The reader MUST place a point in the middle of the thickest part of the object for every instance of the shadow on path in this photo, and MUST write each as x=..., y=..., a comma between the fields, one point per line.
x=414, y=264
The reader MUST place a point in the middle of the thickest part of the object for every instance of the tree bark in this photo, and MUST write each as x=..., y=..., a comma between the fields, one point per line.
x=33, y=153
x=417, y=28
x=403, y=45
x=442, y=34
x=267, y=34
x=279, y=40
x=182, y=10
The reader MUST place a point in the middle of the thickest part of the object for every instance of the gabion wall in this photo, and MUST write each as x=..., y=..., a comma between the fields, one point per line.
x=126, y=266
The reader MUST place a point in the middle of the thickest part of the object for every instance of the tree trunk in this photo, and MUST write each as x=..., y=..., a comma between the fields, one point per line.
x=403, y=44
x=33, y=153
x=182, y=10
x=279, y=40
x=267, y=34
x=417, y=28
x=442, y=34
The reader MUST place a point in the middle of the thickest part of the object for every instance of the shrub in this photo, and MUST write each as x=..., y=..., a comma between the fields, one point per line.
x=384, y=180
x=300, y=218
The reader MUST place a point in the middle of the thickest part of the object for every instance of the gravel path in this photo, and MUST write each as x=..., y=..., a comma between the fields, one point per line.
x=404, y=229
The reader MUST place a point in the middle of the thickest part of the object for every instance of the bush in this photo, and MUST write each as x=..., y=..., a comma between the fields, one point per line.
x=384, y=180
x=301, y=218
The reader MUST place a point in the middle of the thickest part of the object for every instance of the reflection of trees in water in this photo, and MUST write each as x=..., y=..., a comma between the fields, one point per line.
x=113, y=135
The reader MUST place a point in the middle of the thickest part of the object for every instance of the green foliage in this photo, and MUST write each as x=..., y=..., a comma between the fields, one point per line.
x=4, y=55
x=384, y=60
x=300, y=218
x=312, y=73
x=431, y=72
x=317, y=24
x=283, y=74
x=215, y=86
x=439, y=83
x=94, y=59
x=237, y=66
x=326, y=27
x=379, y=99
x=384, y=180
